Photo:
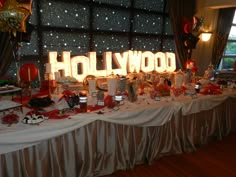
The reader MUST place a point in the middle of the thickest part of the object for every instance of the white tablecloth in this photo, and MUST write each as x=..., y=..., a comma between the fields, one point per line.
x=144, y=113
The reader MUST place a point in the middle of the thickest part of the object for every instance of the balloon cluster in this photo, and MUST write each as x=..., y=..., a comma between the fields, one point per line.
x=14, y=14
x=191, y=31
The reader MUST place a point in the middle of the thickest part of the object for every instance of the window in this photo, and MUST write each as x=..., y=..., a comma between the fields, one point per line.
x=95, y=25
x=229, y=56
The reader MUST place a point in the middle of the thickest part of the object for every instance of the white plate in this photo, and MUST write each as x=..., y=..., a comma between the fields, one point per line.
x=33, y=121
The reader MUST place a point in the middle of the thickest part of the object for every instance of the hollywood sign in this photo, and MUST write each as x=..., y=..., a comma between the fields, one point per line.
x=127, y=62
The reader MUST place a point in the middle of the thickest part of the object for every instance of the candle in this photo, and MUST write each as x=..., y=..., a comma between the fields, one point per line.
x=83, y=101
x=48, y=68
x=29, y=77
x=112, y=84
x=18, y=76
x=179, y=77
x=39, y=78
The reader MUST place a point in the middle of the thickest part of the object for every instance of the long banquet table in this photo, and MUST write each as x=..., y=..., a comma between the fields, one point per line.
x=92, y=144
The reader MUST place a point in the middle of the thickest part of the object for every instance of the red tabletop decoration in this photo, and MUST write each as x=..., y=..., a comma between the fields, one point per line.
x=10, y=119
x=191, y=65
x=211, y=89
x=28, y=72
x=109, y=102
x=178, y=91
x=44, y=86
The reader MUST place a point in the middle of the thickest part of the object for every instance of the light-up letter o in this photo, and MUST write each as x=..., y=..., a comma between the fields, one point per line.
x=171, y=62
x=159, y=62
x=147, y=62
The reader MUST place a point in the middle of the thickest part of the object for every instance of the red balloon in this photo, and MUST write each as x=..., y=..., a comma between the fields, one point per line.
x=187, y=28
x=28, y=72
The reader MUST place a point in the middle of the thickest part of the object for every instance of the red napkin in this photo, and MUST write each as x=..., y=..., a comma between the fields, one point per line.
x=10, y=119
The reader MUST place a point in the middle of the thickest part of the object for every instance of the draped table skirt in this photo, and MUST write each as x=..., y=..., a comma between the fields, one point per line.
x=102, y=147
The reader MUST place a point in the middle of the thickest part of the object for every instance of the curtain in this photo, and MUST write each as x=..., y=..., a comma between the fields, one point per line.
x=179, y=9
x=7, y=48
x=222, y=32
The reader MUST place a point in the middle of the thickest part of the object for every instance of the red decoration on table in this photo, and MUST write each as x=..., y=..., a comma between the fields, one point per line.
x=161, y=90
x=211, y=89
x=142, y=85
x=10, y=119
x=109, y=102
x=44, y=86
x=66, y=94
x=178, y=91
x=191, y=65
x=154, y=93
x=28, y=72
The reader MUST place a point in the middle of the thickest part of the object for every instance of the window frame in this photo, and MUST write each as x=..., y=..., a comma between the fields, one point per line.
x=37, y=54
x=225, y=55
